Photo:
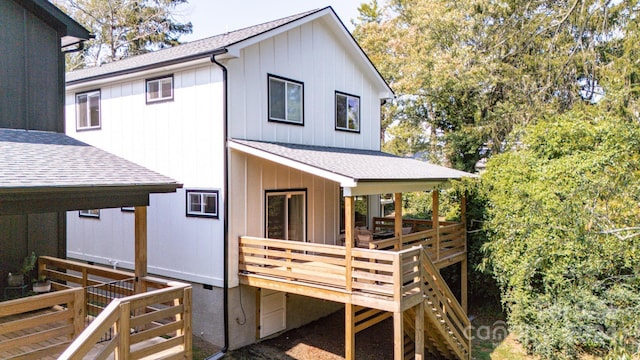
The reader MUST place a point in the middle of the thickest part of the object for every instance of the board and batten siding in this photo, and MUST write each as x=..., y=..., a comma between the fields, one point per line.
x=181, y=139
x=252, y=178
x=312, y=54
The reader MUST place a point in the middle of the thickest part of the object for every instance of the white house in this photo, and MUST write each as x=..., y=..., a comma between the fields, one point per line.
x=268, y=128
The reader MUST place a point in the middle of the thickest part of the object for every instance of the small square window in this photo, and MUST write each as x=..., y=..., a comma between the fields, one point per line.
x=160, y=89
x=202, y=203
x=93, y=213
x=286, y=100
x=347, y=112
x=88, y=110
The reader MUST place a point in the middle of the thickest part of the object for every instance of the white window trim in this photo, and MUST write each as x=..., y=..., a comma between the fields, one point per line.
x=203, y=194
x=159, y=81
x=88, y=114
x=286, y=82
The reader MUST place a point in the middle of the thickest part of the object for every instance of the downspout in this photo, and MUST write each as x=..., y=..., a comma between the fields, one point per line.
x=225, y=115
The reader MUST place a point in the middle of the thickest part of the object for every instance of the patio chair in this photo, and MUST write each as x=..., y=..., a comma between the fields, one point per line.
x=363, y=238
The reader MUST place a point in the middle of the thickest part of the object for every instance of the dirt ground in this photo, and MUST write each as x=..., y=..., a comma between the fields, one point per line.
x=321, y=340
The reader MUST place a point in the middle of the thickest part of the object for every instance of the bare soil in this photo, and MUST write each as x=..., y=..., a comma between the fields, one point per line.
x=321, y=340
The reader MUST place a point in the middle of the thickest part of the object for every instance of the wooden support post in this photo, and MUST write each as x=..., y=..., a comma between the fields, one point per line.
x=435, y=215
x=187, y=327
x=464, y=301
x=349, y=332
x=398, y=336
x=398, y=220
x=140, y=248
x=79, y=316
x=419, y=335
x=122, y=328
x=464, y=296
x=349, y=227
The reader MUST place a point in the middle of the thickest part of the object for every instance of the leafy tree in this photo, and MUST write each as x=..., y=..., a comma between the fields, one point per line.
x=469, y=73
x=565, y=244
x=123, y=28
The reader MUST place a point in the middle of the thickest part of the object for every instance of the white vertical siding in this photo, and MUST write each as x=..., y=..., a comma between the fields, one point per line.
x=310, y=54
x=181, y=139
x=252, y=178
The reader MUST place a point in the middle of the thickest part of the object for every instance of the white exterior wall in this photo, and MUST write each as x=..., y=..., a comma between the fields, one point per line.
x=311, y=54
x=181, y=139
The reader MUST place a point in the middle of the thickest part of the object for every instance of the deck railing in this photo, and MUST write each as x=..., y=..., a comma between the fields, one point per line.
x=162, y=315
x=383, y=275
x=157, y=321
x=39, y=326
x=452, y=237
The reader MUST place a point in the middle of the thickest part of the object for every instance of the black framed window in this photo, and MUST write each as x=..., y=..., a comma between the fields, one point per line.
x=159, y=89
x=202, y=203
x=286, y=214
x=88, y=110
x=92, y=213
x=347, y=112
x=286, y=100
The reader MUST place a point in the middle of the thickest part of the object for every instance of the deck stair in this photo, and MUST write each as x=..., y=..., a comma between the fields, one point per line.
x=446, y=326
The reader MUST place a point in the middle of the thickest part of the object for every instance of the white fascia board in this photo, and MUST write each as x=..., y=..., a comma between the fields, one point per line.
x=138, y=74
x=234, y=50
x=344, y=181
x=385, y=187
x=358, y=52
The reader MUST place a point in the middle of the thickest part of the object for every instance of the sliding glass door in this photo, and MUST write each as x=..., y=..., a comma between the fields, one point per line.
x=286, y=215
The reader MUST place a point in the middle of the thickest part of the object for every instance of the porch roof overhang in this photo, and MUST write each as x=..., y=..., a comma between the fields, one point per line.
x=49, y=172
x=359, y=172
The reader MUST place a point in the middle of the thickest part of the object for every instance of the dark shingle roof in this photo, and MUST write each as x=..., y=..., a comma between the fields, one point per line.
x=36, y=159
x=359, y=165
x=193, y=50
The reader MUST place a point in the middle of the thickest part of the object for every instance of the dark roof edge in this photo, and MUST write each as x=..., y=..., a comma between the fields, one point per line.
x=56, y=18
x=128, y=188
x=363, y=52
x=132, y=70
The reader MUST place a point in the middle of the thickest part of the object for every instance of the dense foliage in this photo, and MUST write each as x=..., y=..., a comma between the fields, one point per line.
x=123, y=28
x=548, y=92
x=565, y=241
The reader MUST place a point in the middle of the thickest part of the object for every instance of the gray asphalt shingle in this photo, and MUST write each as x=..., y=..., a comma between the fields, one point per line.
x=360, y=165
x=194, y=49
x=32, y=159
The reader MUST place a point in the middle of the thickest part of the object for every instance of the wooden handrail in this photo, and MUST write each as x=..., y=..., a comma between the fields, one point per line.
x=120, y=315
x=442, y=297
x=38, y=322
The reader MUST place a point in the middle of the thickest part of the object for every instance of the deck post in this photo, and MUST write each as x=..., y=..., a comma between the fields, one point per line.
x=398, y=336
x=435, y=218
x=419, y=335
x=140, y=247
x=349, y=227
x=349, y=332
x=398, y=220
x=463, y=265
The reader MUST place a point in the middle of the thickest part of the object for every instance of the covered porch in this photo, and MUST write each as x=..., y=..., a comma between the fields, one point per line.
x=394, y=276
x=48, y=172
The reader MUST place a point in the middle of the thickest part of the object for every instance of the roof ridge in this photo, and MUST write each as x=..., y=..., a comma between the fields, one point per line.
x=181, y=52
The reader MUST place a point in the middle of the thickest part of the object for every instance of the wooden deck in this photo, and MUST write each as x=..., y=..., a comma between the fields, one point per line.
x=148, y=325
x=399, y=276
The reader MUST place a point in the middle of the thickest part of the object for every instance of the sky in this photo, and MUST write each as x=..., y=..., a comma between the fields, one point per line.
x=213, y=17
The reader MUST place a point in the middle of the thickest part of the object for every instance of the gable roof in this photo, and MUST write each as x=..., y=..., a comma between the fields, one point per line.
x=230, y=41
x=360, y=172
x=54, y=171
